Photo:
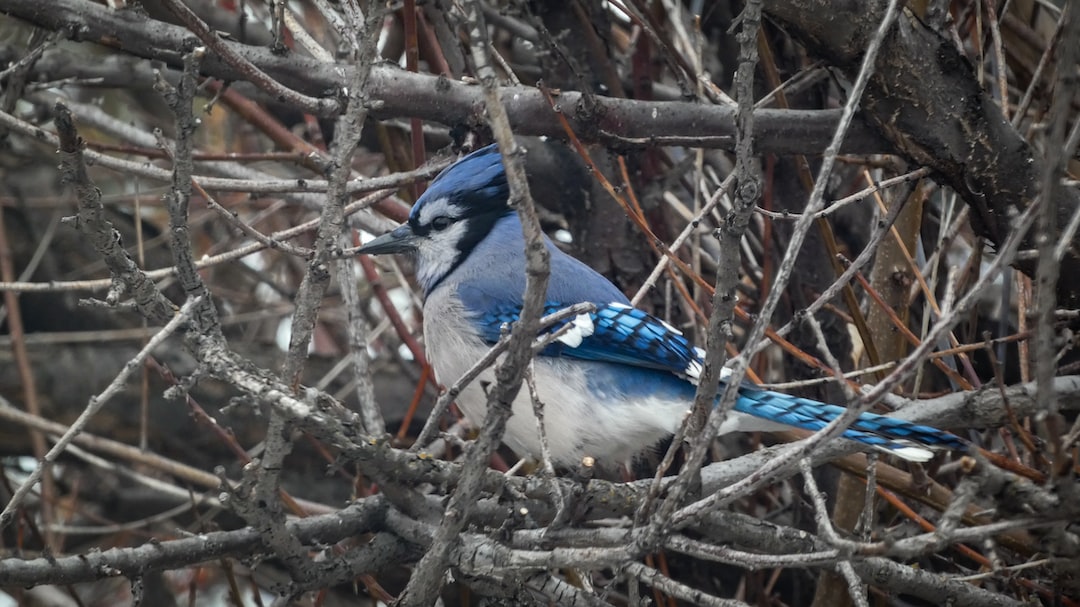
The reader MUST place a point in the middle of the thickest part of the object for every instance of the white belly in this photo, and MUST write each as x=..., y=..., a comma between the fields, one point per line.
x=575, y=425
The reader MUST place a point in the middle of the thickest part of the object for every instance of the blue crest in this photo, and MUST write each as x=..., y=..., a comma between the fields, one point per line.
x=475, y=185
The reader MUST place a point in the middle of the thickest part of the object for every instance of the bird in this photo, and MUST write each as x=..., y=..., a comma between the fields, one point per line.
x=615, y=382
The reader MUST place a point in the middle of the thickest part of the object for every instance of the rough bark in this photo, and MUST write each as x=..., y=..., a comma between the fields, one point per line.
x=925, y=100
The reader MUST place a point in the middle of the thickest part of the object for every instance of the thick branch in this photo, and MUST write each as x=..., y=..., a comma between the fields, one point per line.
x=396, y=93
x=360, y=518
x=92, y=222
x=924, y=98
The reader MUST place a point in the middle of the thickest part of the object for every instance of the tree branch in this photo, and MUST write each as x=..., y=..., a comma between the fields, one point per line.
x=912, y=101
x=395, y=93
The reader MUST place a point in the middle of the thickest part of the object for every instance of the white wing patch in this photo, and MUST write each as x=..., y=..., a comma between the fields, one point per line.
x=910, y=453
x=581, y=327
x=725, y=372
x=693, y=370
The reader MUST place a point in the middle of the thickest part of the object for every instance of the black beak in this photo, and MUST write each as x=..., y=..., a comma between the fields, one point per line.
x=400, y=240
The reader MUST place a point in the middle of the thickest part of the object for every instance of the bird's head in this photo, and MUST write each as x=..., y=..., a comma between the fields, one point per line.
x=456, y=212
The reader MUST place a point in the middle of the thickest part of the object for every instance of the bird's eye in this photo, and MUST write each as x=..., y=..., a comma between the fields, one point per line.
x=440, y=223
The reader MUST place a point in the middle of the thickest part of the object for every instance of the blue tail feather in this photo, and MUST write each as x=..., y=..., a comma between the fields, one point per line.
x=900, y=437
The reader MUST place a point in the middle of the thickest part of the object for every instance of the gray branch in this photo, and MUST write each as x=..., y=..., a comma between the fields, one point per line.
x=396, y=93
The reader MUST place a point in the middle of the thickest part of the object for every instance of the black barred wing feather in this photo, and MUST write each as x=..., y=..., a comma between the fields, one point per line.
x=614, y=333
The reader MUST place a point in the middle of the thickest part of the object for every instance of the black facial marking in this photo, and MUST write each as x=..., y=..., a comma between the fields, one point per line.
x=476, y=228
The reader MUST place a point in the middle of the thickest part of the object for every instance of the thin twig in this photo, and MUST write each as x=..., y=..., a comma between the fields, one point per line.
x=95, y=405
x=317, y=106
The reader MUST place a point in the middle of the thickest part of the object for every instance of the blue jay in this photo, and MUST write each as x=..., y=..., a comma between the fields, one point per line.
x=619, y=380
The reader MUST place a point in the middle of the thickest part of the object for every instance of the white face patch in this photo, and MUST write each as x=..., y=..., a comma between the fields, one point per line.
x=438, y=253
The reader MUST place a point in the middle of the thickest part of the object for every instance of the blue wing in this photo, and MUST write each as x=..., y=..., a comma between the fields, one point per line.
x=614, y=333
x=621, y=334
